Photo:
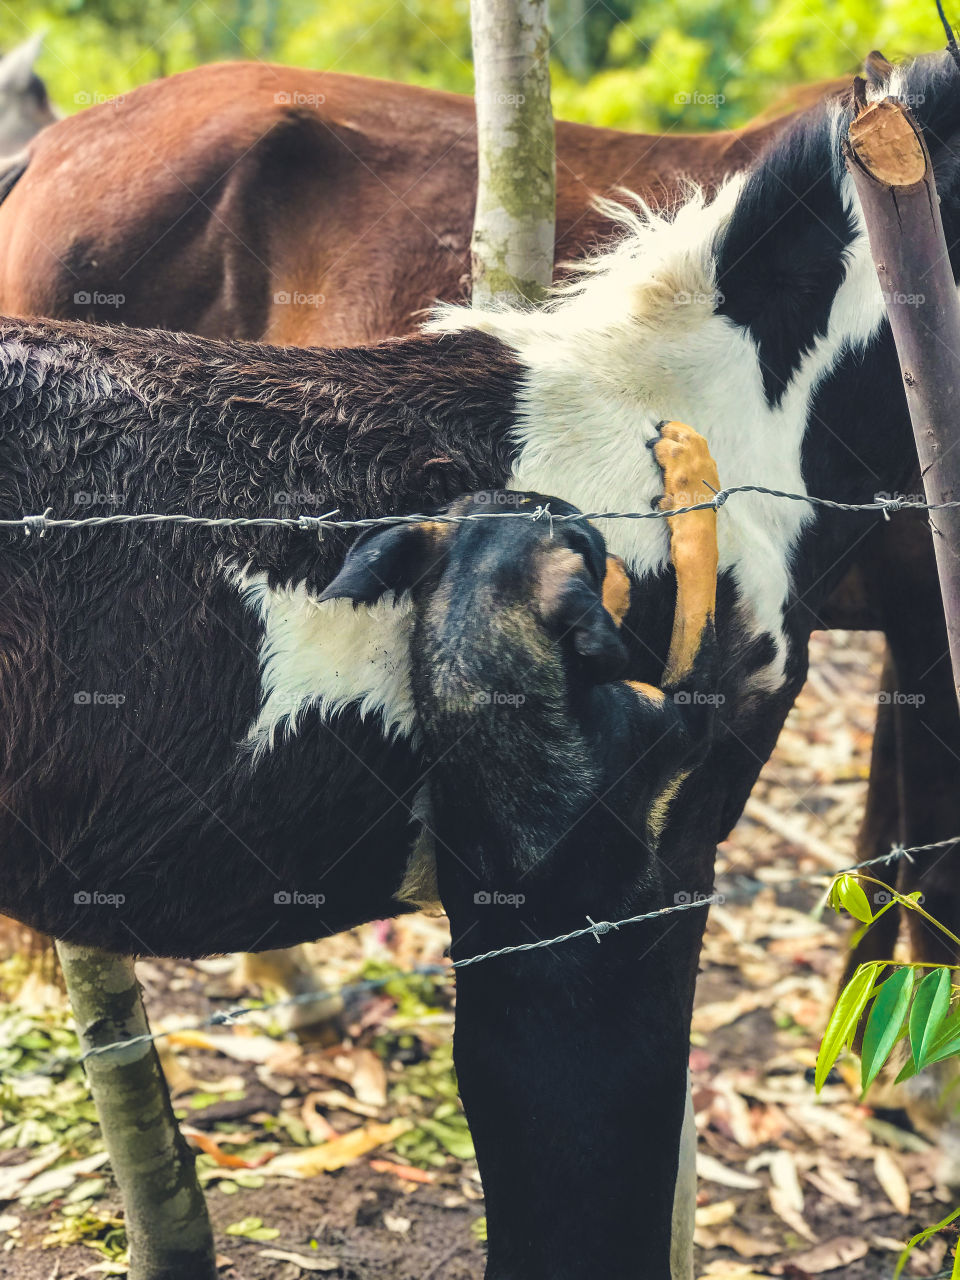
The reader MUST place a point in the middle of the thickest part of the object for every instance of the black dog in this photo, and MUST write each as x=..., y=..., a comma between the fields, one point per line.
x=550, y=782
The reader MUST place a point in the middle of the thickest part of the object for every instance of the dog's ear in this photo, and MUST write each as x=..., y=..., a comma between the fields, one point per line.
x=391, y=559
x=573, y=608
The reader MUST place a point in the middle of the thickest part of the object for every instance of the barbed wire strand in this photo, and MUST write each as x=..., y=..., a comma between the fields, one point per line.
x=42, y=523
x=596, y=928
x=39, y=524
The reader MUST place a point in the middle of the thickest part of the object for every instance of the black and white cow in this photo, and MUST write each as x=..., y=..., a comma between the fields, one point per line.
x=200, y=752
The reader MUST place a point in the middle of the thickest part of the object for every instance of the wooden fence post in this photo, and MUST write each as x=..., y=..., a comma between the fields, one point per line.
x=168, y=1227
x=888, y=158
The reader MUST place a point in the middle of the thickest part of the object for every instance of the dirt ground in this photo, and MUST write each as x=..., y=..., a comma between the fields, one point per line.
x=789, y=1185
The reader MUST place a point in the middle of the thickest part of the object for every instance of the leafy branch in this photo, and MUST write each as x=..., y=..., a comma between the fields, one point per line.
x=902, y=1008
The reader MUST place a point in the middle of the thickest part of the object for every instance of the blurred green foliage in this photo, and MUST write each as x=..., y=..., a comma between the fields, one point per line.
x=641, y=64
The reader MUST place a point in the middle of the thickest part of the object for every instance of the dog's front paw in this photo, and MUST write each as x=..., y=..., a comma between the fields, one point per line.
x=689, y=471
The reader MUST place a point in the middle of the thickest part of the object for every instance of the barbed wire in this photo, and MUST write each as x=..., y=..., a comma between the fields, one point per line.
x=596, y=928
x=40, y=524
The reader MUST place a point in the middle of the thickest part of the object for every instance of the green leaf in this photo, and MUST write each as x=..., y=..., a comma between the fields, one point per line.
x=850, y=895
x=252, y=1229
x=890, y=1007
x=946, y=1043
x=946, y=1049
x=930, y=1007
x=921, y=1238
x=844, y=1019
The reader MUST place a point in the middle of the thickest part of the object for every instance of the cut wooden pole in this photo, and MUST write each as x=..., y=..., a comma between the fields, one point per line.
x=168, y=1227
x=891, y=168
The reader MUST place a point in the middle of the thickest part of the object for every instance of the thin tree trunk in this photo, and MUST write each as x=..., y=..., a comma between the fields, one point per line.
x=888, y=159
x=168, y=1228
x=513, y=229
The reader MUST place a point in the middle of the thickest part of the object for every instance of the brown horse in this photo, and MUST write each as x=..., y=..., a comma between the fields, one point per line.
x=304, y=207
x=296, y=206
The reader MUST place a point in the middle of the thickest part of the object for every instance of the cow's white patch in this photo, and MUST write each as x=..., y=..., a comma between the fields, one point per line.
x=634, y=340
x=329, y=656
x=638, y=340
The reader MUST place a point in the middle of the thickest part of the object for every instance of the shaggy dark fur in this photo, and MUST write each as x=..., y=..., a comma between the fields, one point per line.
x=146, y=626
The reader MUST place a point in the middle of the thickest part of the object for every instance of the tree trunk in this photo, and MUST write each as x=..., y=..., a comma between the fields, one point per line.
x=888, y=159
x=513, y=231
x=168, y=1229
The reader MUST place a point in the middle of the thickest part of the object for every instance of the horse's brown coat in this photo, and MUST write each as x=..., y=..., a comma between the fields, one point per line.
x=207, y=199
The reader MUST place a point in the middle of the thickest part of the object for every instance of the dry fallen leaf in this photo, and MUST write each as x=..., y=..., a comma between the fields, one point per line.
x=786, y=1194
x=729, y=1270
x=893, y=1180
x=368, y=1078
x=15, y=1178
x=63, y=1177
x=746, y=1245
x=709, y=1169
x=713, y=1215
x=210, y=1146
x=829, y=1180
x=241, y=1048
x=299, y=1260
x=336, y=1099
x=832, y=1254
x=408, y=1172
x=309, y=1161
x=318, y=1127
x=710, y=1017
